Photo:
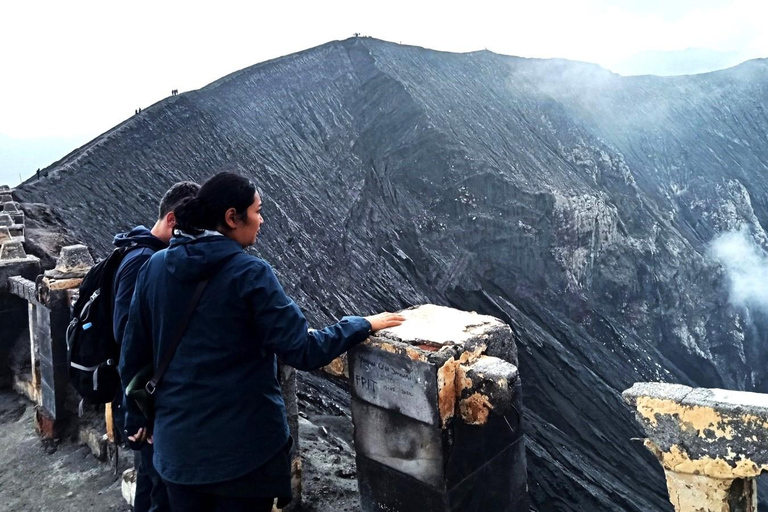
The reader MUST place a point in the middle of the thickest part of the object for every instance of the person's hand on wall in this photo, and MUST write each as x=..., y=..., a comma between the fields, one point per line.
x=384, y=320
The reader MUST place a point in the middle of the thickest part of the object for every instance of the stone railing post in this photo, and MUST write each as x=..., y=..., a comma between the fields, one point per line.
x=11, y=208
x=288, y=384
x=55, y=292
x=14, y=261
x=710, y=442
x=14, y=322
x=438, y=424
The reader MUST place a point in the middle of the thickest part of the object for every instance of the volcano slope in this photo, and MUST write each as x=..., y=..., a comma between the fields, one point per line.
x=575, y=204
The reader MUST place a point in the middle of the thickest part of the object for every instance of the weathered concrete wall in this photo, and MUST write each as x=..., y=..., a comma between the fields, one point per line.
x=288, y=386
x=438, y=424
x=14, y=261
x=711, y=443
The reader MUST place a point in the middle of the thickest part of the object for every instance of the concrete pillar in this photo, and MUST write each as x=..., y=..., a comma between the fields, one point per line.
x=438, y=423
x=699, y=493
x=288, y=384
x=12, y=250
x=13, y=309
x=49, y=327
x=28, y=383
x=710, y=442
x=11, y=216
x=15, y=230
x=12, y=209
x=5, y=234
x=14, y=319
x=11, y=233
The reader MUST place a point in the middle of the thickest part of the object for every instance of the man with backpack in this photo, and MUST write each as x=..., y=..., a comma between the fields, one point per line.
x=139, y=245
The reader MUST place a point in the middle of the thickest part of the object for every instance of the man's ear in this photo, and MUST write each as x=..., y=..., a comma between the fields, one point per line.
x=170, y=219
x=230, y=217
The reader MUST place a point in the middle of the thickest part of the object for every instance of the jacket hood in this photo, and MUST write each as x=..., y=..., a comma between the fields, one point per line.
x=193, y=259
x=139, y=235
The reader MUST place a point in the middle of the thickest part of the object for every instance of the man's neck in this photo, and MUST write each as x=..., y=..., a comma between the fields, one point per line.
x=158, y=231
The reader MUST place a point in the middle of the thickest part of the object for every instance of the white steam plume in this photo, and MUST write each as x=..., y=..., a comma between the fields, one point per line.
x=747, y=266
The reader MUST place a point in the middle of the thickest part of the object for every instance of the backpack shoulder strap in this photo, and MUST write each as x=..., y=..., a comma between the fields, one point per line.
x=99, y=275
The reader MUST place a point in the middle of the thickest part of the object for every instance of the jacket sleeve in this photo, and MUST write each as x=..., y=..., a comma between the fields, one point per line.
x=282, y=329
x=125, y=283
x=135, y=353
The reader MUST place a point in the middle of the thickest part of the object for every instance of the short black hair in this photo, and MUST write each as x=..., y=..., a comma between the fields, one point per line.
x=175, y=196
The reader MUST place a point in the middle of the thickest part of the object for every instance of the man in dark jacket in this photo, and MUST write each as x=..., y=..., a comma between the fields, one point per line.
x=143, y=243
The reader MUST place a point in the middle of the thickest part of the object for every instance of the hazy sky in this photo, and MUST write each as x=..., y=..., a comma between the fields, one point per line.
x=72, y=69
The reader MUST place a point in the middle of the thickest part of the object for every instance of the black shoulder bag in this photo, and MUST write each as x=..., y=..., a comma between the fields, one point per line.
x=142, y=387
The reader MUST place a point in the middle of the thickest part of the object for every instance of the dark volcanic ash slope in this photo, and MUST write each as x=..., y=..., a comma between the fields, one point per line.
x=573, y=203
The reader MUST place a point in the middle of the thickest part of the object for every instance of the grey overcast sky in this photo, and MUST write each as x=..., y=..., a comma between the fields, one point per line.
x=71, y=70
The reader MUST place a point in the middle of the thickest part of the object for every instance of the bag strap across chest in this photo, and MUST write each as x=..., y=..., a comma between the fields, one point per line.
x=177, y=335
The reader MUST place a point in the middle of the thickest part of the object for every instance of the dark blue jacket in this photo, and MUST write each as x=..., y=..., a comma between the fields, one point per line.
x=125, y=278
x=123, y=284
x=219, y=410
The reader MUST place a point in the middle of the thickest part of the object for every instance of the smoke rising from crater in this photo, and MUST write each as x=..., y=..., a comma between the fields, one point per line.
x=747, y=266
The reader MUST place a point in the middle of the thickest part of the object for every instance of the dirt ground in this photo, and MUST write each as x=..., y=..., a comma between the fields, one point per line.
x=62, y=478
x=327, y=448
x=68, y=478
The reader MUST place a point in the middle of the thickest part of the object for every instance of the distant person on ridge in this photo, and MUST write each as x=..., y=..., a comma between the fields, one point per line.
x=220, y=430
x=151, y=495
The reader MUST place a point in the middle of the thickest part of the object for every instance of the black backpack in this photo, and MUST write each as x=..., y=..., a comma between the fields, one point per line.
x=91, y=347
